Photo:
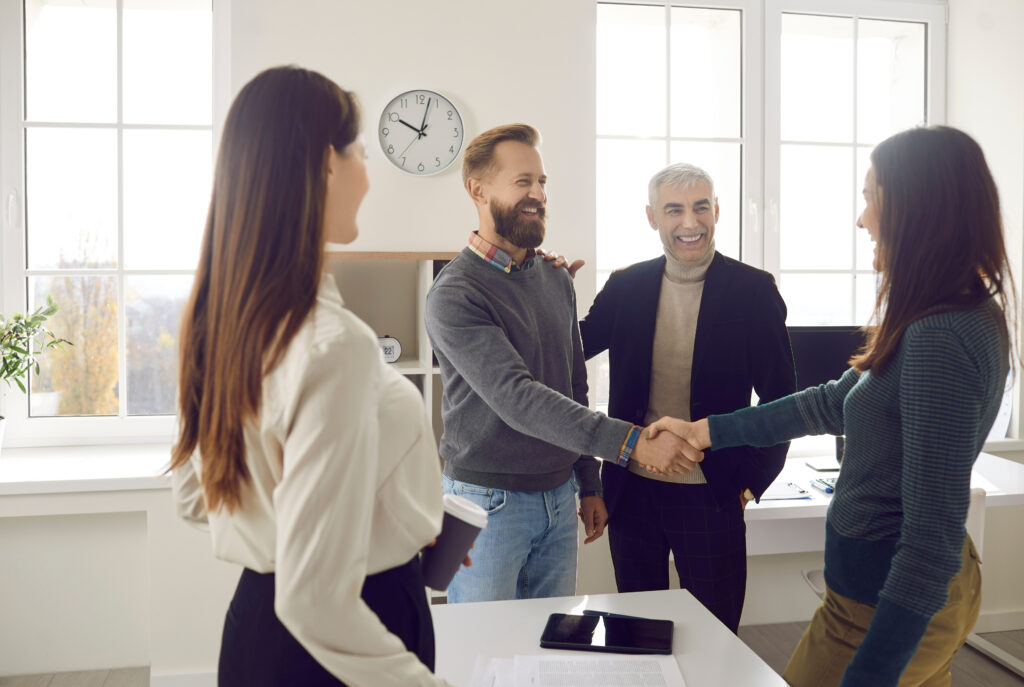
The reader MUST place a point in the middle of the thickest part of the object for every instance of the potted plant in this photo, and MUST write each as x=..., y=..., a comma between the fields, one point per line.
x=22, y=339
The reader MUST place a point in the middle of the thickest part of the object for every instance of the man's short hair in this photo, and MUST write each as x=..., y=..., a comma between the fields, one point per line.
x=680, y=175
x=478, y=160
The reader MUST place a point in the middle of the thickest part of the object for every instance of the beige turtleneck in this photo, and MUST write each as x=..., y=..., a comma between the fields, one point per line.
x=675, y=326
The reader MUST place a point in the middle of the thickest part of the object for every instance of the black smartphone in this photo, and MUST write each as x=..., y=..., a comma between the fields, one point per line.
x=607, y=633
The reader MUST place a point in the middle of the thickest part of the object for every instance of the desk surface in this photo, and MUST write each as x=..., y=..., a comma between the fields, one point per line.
x=707, y=653
x=796, y=526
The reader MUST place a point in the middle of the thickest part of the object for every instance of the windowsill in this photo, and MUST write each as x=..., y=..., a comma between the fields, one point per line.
x=130, y=467
x=70, y=469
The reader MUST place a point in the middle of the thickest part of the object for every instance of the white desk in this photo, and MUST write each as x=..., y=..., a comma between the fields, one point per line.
x=707, y=653
x=795, y=526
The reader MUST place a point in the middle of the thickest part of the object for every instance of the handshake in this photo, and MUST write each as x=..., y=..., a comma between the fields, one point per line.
x=671, y=446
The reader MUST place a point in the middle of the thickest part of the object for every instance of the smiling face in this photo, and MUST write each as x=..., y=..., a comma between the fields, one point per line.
x=869, y=218
x=685, y=218
x=512, y=198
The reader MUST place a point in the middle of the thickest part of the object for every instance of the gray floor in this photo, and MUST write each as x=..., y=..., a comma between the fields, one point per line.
x=773, y=643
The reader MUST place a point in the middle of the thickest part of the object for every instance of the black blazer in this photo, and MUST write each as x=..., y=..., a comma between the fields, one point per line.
x=741, y=343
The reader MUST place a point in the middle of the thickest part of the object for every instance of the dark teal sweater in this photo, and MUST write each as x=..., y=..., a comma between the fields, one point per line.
x=895, y=527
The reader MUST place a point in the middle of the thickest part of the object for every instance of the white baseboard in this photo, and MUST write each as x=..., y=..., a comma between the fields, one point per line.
x=1000, y=621
x=184, y=680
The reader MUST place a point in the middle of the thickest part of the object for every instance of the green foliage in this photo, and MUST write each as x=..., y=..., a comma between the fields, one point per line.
x=22, y=339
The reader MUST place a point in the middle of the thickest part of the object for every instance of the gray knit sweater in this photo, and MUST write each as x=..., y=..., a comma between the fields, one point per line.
x=515, y=386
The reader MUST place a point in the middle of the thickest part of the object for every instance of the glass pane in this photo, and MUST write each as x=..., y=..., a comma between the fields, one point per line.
x=71, y=61
x=817, y=299
x=722, y=162
x=623, y=170
x=167, y=181
x=153, y=306
x=71, y=197
x=815, y=208
x=631, y=63
x=168, y=61
x=817, y=78
x=710, y=39
x=890, y=78
x=82, y=380
x=865, y=246
x=866, y=292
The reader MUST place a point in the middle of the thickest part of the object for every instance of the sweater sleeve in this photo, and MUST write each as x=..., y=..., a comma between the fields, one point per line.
x=465, y=333
x=941, y=391
x=817, y=410
x=586, y=467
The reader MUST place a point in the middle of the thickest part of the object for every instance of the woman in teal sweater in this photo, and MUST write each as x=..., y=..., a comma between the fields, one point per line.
x=916, y=406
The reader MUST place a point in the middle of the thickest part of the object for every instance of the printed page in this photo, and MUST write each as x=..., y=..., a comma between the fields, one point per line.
x=597, y=671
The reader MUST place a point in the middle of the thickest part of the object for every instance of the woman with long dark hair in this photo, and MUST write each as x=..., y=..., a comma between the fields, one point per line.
x=916, y=405
x=312, y=460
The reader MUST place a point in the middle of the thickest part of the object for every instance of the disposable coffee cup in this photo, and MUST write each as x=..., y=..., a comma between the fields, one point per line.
x=463, y=520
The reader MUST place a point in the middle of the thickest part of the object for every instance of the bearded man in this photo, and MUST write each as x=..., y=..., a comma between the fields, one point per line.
x=519, y=439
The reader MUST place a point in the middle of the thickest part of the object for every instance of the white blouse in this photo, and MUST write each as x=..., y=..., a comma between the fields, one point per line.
x=345, y=482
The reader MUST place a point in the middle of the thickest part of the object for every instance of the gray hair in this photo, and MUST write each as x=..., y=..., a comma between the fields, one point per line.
x=680, y=175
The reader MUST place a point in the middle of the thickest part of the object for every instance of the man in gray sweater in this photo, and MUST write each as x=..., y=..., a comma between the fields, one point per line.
x=518, y=435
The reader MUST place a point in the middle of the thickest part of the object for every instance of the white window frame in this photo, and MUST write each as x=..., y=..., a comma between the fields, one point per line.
x=23, y=430
x=932, y=13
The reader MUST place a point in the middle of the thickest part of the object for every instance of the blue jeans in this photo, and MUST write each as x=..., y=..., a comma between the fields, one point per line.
x=527, y=550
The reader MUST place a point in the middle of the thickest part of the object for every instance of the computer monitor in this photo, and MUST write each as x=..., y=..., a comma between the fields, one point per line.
x=822, y=354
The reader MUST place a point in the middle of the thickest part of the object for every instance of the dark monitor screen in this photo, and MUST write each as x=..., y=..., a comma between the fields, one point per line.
x=821, y=353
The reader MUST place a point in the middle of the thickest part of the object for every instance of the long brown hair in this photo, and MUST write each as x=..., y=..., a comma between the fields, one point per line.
x=940, y=235
x=259, y=269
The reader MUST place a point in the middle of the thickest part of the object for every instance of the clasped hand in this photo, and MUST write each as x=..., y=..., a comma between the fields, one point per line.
x=671, y=446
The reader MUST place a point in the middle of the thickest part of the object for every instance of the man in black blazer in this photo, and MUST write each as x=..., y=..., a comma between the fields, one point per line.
x=689, y=334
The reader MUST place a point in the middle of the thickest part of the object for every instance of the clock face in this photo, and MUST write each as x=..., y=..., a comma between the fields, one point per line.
x=420, y=132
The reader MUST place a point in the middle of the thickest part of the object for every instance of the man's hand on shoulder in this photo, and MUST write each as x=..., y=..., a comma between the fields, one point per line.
x=594, y=515
x=557, y=260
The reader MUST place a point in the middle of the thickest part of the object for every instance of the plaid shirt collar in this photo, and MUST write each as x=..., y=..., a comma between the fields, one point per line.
x=497, y=257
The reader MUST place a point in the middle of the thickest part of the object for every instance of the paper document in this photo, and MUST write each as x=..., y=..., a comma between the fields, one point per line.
x=781, y=489
x=621, y=670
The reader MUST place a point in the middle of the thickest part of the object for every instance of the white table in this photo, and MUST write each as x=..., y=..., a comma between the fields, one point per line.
x=795, y=526
x=707, y=653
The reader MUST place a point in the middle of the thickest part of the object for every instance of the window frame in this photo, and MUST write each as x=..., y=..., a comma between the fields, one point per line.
x=21, y=429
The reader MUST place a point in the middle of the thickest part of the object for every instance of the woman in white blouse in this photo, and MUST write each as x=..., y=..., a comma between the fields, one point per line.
x=311, y=460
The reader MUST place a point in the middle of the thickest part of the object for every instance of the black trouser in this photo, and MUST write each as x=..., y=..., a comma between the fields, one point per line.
x=258, y=651
x=709, y=546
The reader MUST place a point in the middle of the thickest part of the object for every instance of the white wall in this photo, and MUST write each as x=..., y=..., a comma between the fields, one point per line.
x=533, y=61
x=529, y=61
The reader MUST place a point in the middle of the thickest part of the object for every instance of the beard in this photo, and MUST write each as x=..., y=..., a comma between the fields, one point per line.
x=510, y=224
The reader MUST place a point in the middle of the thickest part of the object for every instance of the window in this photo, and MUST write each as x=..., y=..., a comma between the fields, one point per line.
x=107, y=140
x=669, y=89
x=781, y=102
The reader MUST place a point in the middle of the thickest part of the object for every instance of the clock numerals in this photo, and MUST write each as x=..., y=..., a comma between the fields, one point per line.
x=416, y=132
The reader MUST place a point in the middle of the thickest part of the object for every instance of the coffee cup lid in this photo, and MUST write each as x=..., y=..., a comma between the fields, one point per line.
x=465, y=510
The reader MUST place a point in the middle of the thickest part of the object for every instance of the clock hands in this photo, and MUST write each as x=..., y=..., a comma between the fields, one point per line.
x=423, y=124
x=402, y=121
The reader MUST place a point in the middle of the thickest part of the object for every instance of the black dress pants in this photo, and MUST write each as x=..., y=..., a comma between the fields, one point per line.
x=709, y=545
x=258, y=651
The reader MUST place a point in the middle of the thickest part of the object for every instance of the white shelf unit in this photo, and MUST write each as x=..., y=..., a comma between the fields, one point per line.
x=388, y=291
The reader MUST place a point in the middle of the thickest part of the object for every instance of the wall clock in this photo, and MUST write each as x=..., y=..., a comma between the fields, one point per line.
x=420, y=132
